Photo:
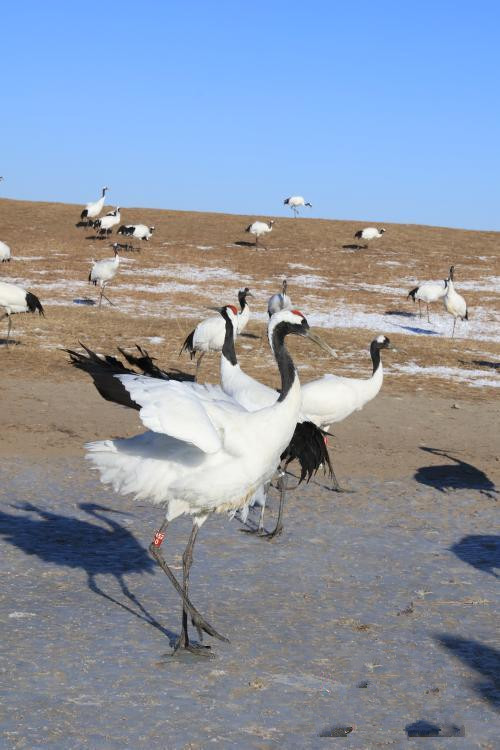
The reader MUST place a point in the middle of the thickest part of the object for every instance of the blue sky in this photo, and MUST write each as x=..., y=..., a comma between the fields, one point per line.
x=377, y=111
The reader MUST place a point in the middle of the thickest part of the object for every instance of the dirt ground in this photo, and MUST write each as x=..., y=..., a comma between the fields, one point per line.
x=373, y=613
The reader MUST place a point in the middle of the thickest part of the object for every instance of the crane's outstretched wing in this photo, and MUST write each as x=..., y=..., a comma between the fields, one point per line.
x=191, y=414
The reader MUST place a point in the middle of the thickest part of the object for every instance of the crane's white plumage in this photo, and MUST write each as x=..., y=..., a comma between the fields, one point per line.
x=92, y=210
x=200, y=454
x=332, y=398
x=108, y=221
x=454, y=303
x=5, y=254
x=294, y=202
x=14, y=299
x=280, y=301
x=208, y=336
x=103, y=271
x=244, y=311
x=369, y=233
x=428, y=292
x=139, y=231
x=260, y=228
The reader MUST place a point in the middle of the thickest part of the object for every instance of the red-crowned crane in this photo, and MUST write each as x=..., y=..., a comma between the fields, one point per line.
x=428, y=292
x=5, y=254
x=14, y=299
x=294, y=202
x=369, y=233
x=92, y=210
x=259, y=229
x=454, y=303
x=200, y=454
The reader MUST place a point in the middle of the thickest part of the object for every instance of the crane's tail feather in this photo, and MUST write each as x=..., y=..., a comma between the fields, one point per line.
x=188, y=345
x=308, y=446
x=34, y=303
x=412, y=293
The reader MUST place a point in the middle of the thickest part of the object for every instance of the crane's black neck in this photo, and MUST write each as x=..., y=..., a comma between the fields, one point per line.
x=283, y=358
x=228, y=347
x=242, y=299
x=375, y=354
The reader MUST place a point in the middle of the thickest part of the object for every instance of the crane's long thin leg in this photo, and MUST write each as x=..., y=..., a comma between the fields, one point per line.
x=419, y=309
x=187, y=561
x=107, y=298
x=454, y=324
x=9, y=327
x=428, y=319
x=198, y=621
x=279, y=524
x=198, y=366
x=100, y=298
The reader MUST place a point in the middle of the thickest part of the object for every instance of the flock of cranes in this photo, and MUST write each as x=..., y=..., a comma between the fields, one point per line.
x=216, y=448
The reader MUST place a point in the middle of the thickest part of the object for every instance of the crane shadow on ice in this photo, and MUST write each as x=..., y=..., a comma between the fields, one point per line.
x=454, y=476
x=481, y=658
x=102, y=547
x=482, y=551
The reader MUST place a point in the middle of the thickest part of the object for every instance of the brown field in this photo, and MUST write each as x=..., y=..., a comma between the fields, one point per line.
x=193, y=261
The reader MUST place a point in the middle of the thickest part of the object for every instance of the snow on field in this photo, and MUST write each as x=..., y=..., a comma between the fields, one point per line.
x=473, y=378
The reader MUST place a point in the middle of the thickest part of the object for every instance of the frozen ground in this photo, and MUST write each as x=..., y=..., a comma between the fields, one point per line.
x=374, y=610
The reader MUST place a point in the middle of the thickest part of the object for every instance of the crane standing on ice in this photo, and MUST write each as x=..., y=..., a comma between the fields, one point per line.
x=201, y=455
x=454, y=303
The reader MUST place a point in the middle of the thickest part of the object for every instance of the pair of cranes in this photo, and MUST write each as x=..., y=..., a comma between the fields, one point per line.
x=209, y=449
x=432, y=291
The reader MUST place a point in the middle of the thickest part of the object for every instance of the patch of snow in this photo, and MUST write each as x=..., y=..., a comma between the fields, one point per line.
x=473, y=378
x=309, y=280
x=204, y=247
x=301, y=265
x=156, y=339
x=21, y=615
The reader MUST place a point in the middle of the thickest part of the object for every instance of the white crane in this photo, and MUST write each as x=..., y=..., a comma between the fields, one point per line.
x=103, y=271
x=92, y=210
x=208, y=336
x=428, y=292
x=307, y=444
x=199, y=455
x=333, y=398
x=454, y=303
x=244, y=311
x=369, y=233
x=294, y=202
x=107, y=222
x=139, y=231
x=5, y=254
x=260, y=228
x=14, y=299
x=279, y=301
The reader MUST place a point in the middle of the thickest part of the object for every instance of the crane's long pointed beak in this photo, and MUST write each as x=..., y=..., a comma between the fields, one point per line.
x=322, y=344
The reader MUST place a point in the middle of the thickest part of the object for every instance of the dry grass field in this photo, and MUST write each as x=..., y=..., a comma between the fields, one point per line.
x=195, y=260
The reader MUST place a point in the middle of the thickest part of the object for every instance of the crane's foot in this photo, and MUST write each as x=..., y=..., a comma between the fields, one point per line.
x=202, y=626
x=198, y=649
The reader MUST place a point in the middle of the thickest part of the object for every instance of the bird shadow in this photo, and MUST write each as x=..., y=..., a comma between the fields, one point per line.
x=400, y=313
x=354, y=247
x=10, y=342
x=424, y=728
x=97, y=549
x=98, y=237
x=481, y=658
x=249, y=336
x=462, y=475
x=481, y=363
x=417, y=329
x=84, y=301
x=244, y=243
x=482, y=551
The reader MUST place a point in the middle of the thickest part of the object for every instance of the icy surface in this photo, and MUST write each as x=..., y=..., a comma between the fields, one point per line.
x=373, y=610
